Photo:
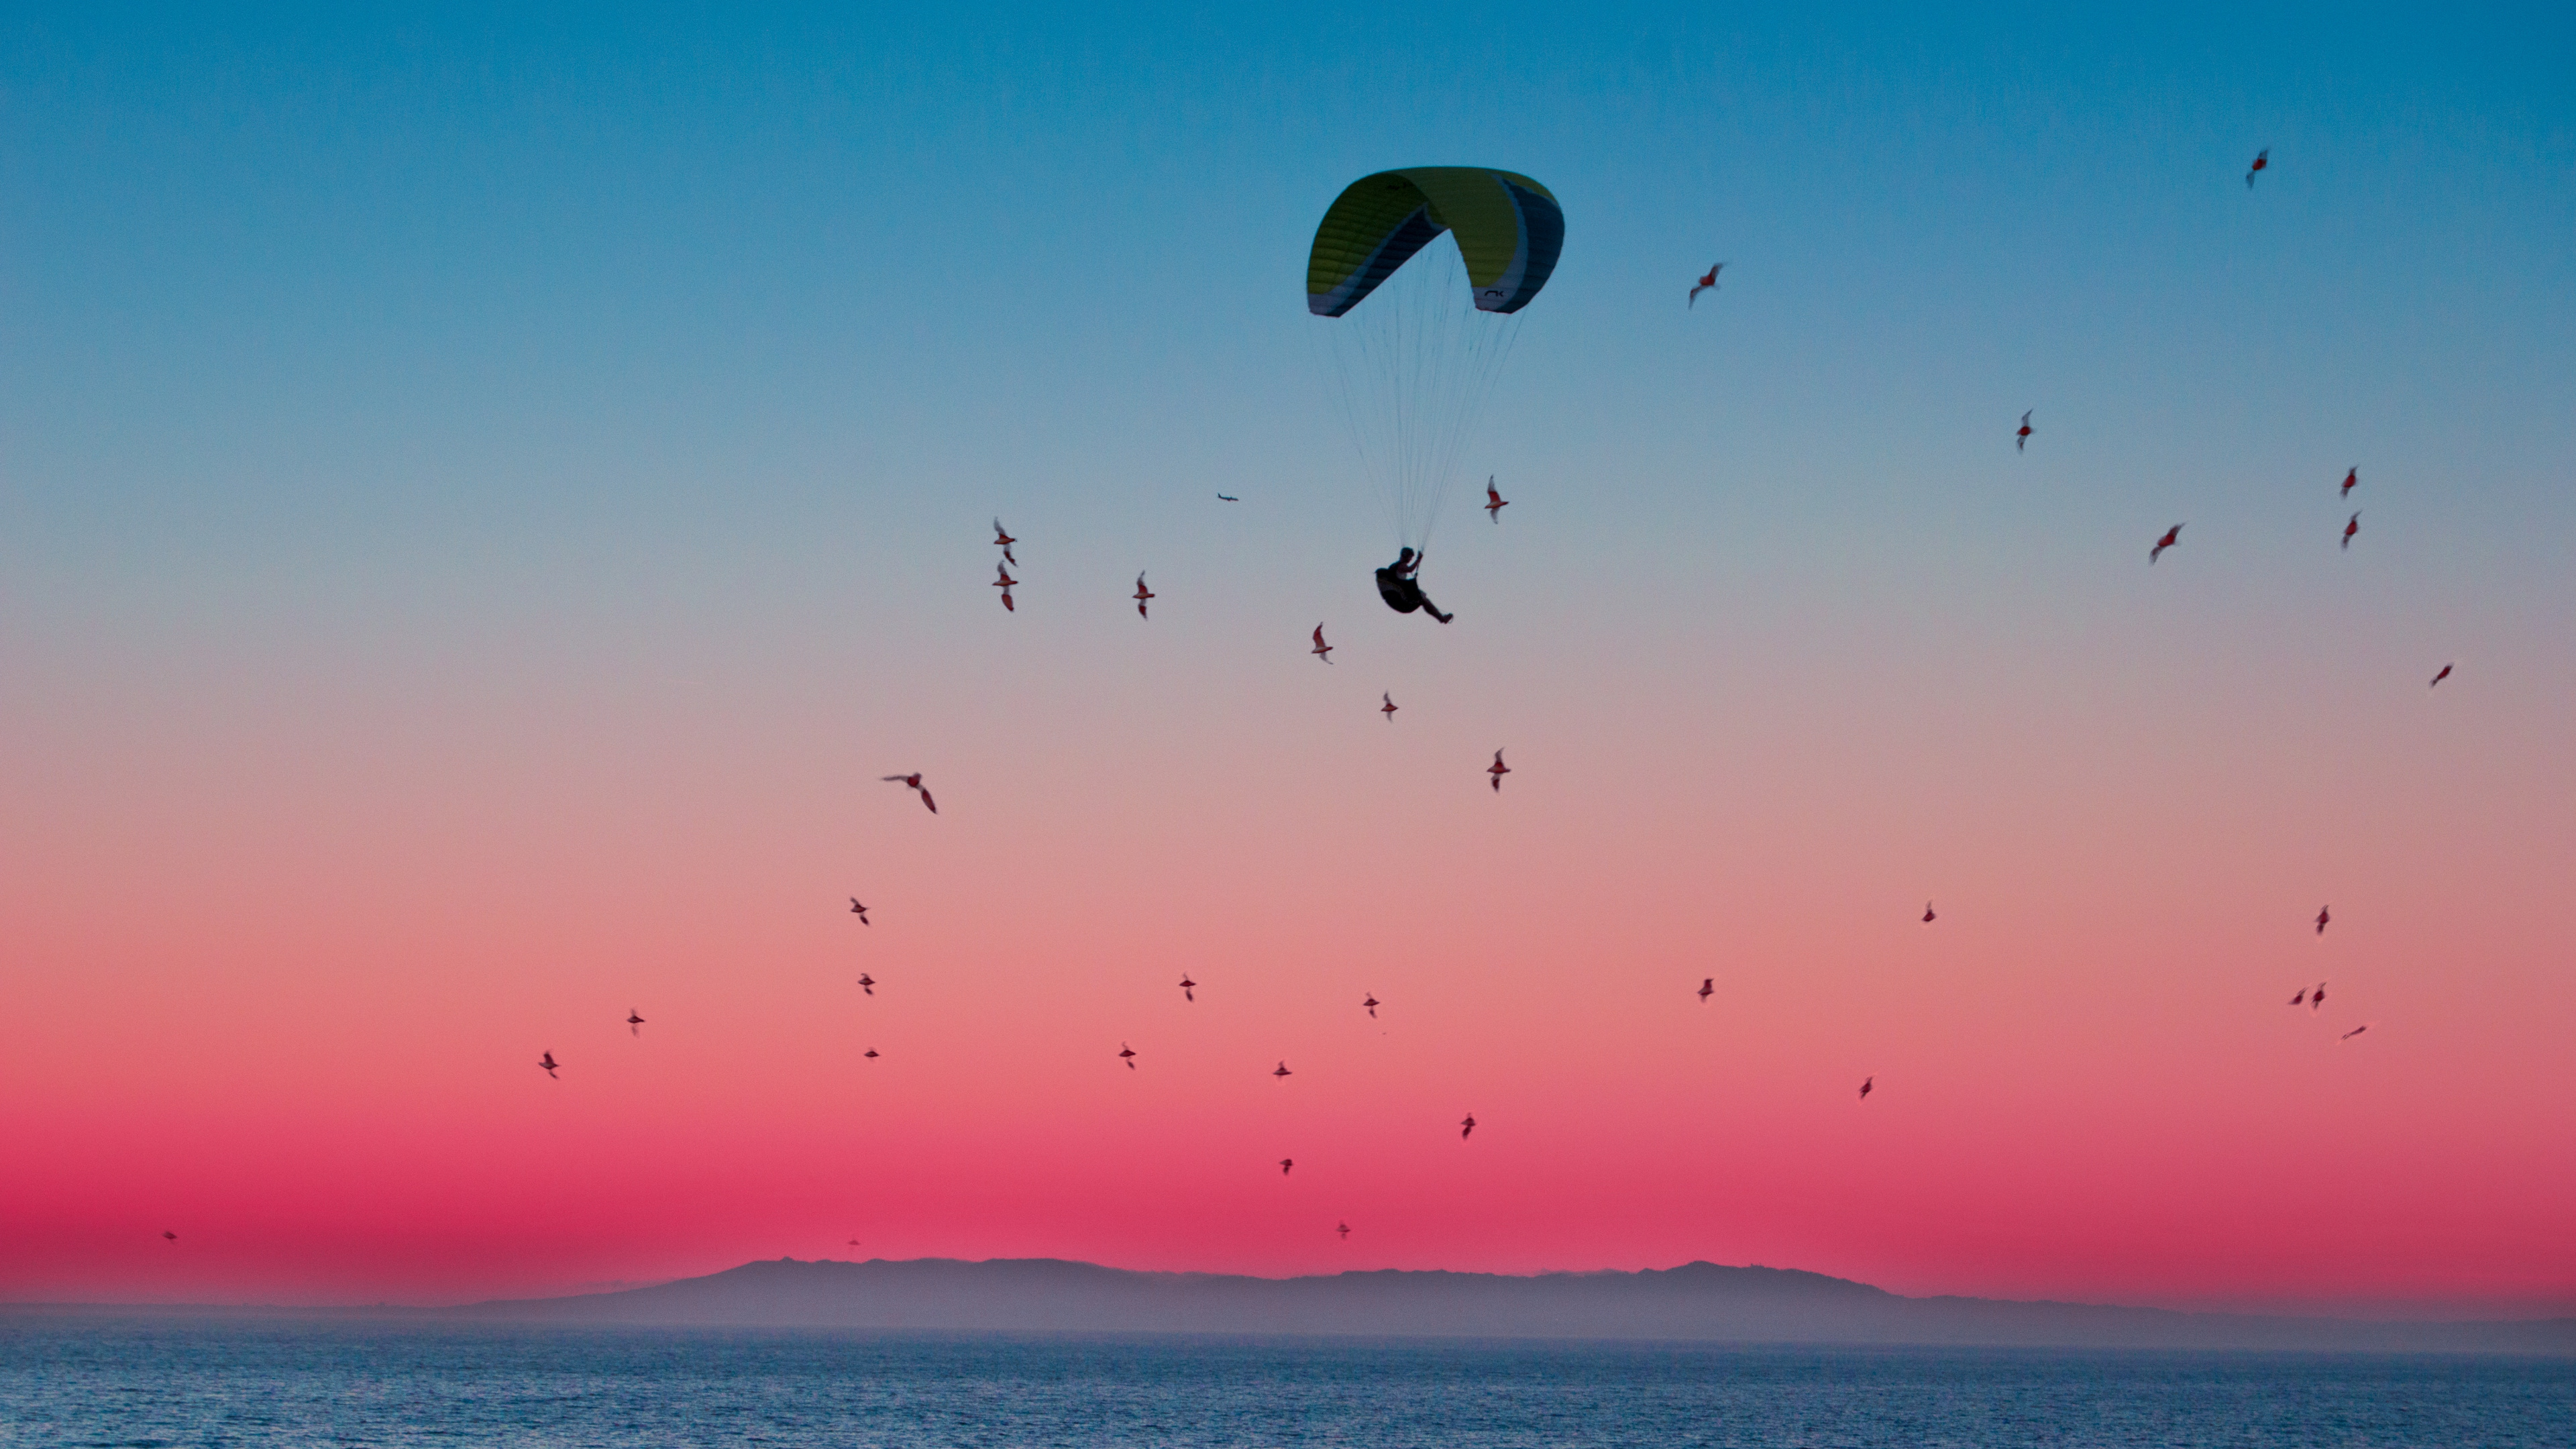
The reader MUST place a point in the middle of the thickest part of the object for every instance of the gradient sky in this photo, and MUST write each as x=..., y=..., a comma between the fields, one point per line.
x=483, y=499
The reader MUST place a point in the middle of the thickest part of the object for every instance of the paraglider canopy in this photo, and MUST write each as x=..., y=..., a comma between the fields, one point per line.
x=1508, y=229
x=1413, y=368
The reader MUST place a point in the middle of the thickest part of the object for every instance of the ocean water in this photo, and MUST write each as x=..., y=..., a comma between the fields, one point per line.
x=147, y=1384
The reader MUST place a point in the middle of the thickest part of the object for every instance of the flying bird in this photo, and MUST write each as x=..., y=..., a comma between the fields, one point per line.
x=1928, y=917
x=1188, y=987
x=2323, y=916
x=1283, y=1071
x=1127, y=1054
x=171, y=1237
x=2022, y=438
x=1142, y=594
x=1371, y=1003
x=1321, y=650
x=1006, y=583
x=1001, y=536
x=634, y=1023
x=859, y=911
x=1286, y=1163
x=2172, y=536
x=870, y=1054
x=1865, y=1085
x=1387, y=708
x=2262, y=159
x=2351, y=476
x=1706, y=283
x=2356, y=1031
x=1467, y=1128
x=1498, y=770
x=867, y=983
x=1228, y=498
x=548, y=1062
x=2302, y=998
x=2438, y=678
x=2317, y=998
x=1707, y=989
x=1344, y=1229
x=2349, y=530
x=914, y=780
x=1495, y=502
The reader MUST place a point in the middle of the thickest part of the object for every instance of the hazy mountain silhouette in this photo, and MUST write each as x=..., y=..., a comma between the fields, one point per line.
x=1697, y=1301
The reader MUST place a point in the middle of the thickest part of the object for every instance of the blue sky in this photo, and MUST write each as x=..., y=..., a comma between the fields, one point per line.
x=429, y=327
x=369, y=277
x=503, y=340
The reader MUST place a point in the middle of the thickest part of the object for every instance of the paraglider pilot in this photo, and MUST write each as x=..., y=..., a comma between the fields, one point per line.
x=1402, y=591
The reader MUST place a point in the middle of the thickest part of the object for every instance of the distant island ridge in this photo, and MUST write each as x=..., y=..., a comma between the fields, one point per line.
x=1696, y=1302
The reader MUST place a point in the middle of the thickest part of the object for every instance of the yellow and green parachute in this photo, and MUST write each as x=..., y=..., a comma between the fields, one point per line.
x=1413, y=367
x=1508, y=230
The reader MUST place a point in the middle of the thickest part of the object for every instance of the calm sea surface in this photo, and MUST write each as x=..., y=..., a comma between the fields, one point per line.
x=143, y=1383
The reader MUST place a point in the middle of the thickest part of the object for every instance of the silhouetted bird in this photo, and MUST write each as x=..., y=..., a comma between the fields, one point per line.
x=2262, y=159
x=2351, y=476
x=1142, y=594
x=1371, y=1004
x=2356, y=1031
x=1928, y=917
x=1127, y=1054
x=634, y=1023
x=914, y=780
x=1707, y=989
x=860, y=911
x=2317, y=998
x=1344, y=1229
x=548, y=1062
x=2172, y=536
x=1321, y=650
x=2322, y=918
x=870, y=1054
x=169, y=1236
x=867, y=983
x=1467, y=1128
x=1283, y=1071
x=2349, y=529
x=1189, y=988
x=1388, y=708
x=1498, y=770
x=2022, y=437
x=1495, y=502
x=1001, y=539
x=1286, y=1163
x=1228, y=498
x=2438, y=678
x=1704, y=284
x=1866, y=1084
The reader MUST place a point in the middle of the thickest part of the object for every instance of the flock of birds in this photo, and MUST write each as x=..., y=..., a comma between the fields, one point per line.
x=2311, y=997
